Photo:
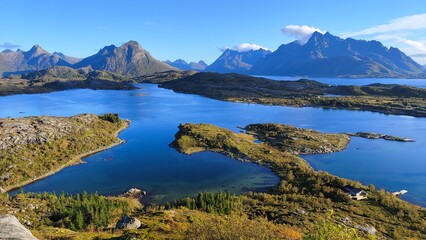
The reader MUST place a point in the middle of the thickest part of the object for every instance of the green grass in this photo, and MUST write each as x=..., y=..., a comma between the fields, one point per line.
x=317, y=193
x=305, y=205
x=298, y=140
x=31, y=161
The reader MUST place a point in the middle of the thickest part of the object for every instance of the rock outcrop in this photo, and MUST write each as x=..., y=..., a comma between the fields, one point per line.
x=127, y=222
x=31, y=130
x=11, y=228
x=134, y=193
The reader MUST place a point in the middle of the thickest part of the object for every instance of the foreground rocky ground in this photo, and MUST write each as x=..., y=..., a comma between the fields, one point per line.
x=11, y=228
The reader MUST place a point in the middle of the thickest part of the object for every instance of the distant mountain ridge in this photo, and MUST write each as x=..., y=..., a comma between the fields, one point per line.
x=129, y=59
x=325, y=55
x=235, y=61
x=183, y=65
x=34, y=59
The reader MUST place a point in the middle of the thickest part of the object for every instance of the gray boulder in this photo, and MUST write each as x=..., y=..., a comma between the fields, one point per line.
x=127, y=222
x=12, y=229
x=367, y=229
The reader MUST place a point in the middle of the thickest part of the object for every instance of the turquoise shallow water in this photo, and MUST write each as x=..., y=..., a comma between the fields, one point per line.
x=146, y=161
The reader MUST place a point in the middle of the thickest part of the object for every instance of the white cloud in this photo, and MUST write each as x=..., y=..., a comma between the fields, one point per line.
x=403, y=33
x=9, y=45
x=413, y=22
x=301, y=32
x=414, y=48
x=244, y=47
x=415, y=44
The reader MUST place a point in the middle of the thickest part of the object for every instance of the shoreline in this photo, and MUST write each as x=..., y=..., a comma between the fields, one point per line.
x=74, y=160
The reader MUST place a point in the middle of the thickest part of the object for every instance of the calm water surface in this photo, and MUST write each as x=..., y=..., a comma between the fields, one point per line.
x=146, y=161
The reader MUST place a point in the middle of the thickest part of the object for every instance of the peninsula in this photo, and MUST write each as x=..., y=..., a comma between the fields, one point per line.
x=384, y=98
x=35, y=147
x=304, y=195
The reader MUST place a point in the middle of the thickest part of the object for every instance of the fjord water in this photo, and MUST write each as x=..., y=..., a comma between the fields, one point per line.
x=147, y=162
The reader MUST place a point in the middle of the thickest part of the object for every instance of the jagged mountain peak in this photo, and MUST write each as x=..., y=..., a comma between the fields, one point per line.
x=59, y=54
x=326, y=55
x=184, y=65
x=36, y=50
x=180, y=61
x=128, y=59
x=132, y=43
x=235, y=61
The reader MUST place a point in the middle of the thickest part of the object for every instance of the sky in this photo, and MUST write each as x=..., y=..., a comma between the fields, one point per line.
x=196, y=30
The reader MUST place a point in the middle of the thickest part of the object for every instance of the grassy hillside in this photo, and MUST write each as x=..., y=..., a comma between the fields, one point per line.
x=304, y=196
x=33, y=147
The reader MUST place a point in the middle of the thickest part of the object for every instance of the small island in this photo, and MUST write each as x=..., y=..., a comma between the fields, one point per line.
x=35, y=147
x=297, y=140
x=370, y=135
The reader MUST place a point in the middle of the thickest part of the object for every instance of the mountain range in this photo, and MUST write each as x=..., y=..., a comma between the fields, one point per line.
x=235, y=61
x=323, y=55
x=130, y=59
x=34, y=59
x=183, y=65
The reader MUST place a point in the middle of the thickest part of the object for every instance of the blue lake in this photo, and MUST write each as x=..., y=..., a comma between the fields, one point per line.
x=147, y=162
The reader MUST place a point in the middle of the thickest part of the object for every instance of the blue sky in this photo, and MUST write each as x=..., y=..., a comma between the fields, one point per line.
x=198, y=29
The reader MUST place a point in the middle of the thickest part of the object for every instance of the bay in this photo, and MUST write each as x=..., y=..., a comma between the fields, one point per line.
x=147, y=162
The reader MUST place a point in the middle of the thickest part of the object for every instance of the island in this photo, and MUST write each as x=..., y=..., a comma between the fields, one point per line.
x=384, y=98
x=370, y=135
x=35, y=147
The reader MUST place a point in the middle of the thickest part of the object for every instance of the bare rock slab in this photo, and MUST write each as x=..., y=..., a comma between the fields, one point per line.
x=12, y=229
x=127, y=222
